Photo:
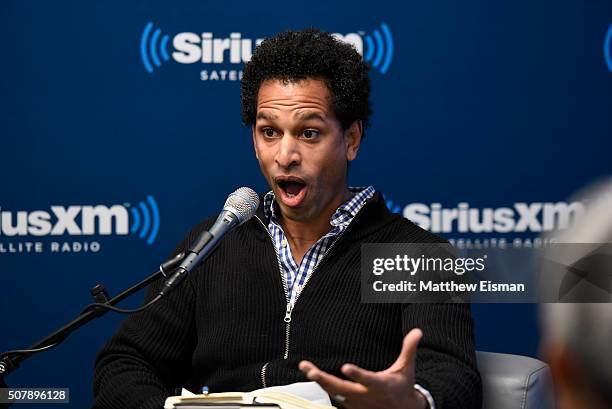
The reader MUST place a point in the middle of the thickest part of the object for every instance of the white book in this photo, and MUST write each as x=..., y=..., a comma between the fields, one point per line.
x=300, y=395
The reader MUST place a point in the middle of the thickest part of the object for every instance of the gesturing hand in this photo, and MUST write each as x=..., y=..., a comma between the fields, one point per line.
x=388, y=389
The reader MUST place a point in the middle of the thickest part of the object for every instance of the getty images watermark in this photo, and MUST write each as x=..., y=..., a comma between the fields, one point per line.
x=427, y=272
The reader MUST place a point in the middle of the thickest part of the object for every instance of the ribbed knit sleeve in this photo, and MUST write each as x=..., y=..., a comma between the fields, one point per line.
x=151, y=352
x=446, y=361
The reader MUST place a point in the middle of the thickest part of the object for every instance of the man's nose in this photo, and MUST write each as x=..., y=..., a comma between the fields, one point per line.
x=288, y=154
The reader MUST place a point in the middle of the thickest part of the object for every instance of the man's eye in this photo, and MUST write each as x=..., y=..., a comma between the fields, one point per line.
x=310, y=134
x=269, y=132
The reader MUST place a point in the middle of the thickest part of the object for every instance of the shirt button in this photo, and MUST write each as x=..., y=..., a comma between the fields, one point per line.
x=284, y=242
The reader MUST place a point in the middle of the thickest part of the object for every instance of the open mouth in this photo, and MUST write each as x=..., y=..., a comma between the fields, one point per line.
x=292, y=190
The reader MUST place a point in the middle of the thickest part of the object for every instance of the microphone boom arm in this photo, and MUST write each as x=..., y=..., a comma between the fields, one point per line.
x=10, y=360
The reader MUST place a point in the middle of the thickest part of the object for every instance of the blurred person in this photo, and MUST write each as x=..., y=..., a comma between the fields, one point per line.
x=577, y=335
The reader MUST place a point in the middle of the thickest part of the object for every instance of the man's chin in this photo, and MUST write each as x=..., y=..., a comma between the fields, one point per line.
x=301, y=213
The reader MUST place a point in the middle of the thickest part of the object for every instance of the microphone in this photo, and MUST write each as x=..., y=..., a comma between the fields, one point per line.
x=239, y=207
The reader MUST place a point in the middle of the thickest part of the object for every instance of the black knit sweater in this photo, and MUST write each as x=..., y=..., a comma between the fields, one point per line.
x=223, y=327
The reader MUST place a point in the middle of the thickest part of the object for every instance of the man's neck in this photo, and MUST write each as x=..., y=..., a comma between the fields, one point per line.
x=302, y=234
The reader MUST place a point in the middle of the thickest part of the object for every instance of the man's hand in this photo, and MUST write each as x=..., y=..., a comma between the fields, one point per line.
x=391, y=388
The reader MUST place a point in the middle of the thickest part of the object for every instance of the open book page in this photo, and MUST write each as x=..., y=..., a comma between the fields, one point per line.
x=300, y=395
x=311, y=391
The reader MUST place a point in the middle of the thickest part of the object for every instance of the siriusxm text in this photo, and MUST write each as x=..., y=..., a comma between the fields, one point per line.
x=60, y=220
x=522, y=217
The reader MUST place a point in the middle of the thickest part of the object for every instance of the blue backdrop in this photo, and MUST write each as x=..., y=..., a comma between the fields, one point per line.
x=120, y=129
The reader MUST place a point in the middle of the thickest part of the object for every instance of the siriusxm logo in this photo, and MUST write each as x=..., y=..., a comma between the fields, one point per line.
x=376, y=48
x=141, y=220
x=608, y=48
x=521, y=217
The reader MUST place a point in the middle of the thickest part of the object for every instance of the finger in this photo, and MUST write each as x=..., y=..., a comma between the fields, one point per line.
x=332, y=384
x=305, y=366
x=362, y=376
x=408, y=352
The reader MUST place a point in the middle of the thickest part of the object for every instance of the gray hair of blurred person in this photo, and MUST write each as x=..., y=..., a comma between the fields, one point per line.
x=585, y=329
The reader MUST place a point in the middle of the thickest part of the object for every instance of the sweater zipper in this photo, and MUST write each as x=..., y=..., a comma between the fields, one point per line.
x=284, y=280
x=289, y=309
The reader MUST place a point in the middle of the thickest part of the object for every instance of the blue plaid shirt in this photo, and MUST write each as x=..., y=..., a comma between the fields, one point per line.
x=297, y=275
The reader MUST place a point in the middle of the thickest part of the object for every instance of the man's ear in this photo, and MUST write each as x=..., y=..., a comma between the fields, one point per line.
x=352, y=137
x=254, y=141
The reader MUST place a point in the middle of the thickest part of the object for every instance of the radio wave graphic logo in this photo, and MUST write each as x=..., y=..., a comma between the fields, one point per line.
x=608, y=48
x=150, y=50
x=145, y=219
x=378, y=48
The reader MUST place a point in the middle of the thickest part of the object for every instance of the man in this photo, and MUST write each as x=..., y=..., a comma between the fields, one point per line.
x=279, y=300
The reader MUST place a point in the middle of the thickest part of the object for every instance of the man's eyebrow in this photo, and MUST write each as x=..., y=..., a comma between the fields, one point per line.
x=266, y=116
x=308, y=115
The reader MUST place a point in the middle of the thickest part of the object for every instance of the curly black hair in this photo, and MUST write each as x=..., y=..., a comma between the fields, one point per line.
x=292, y=56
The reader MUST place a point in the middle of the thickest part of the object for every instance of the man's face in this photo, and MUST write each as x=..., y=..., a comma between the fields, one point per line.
x=302, y=148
